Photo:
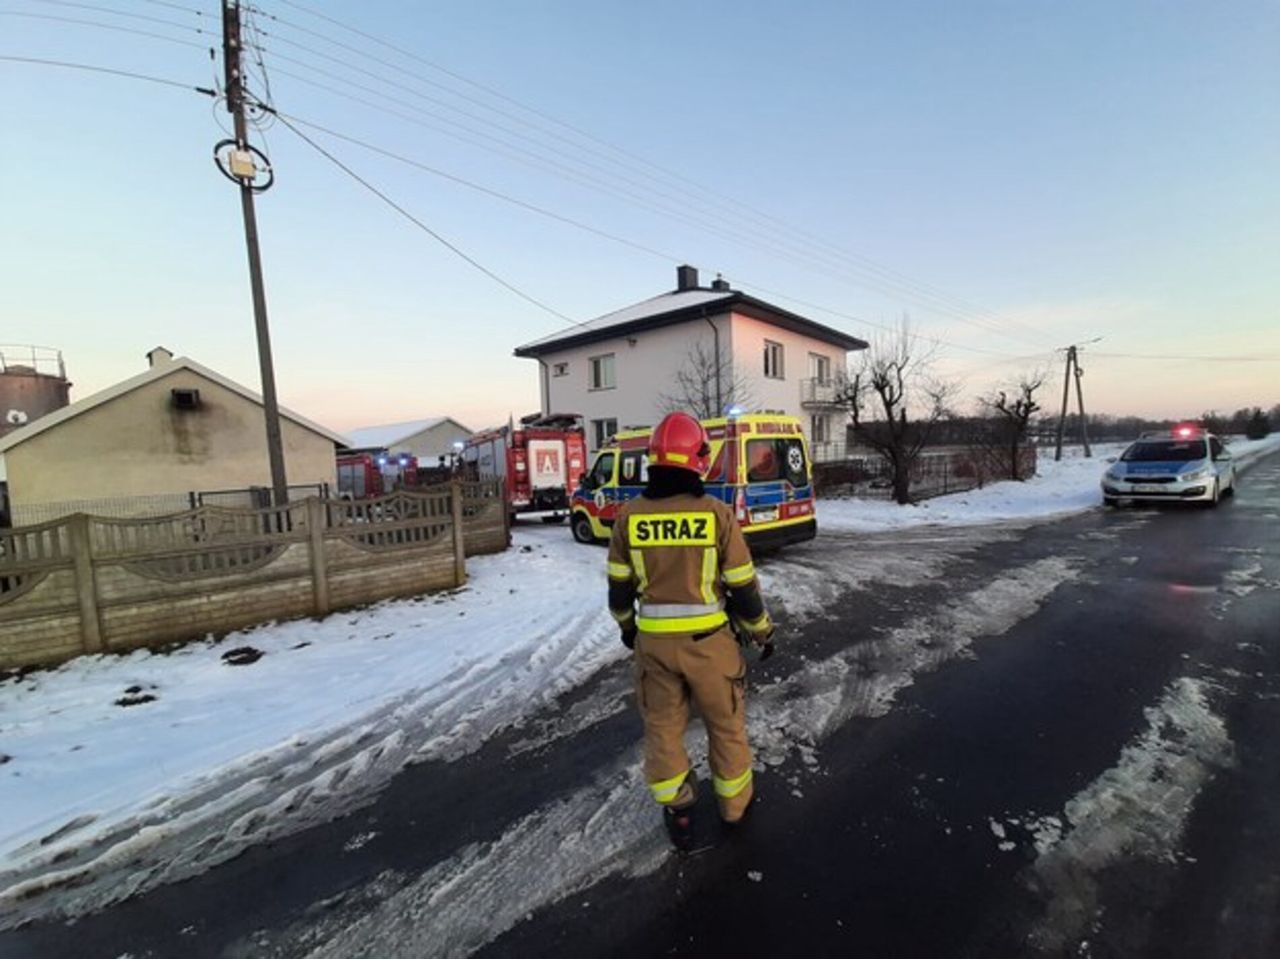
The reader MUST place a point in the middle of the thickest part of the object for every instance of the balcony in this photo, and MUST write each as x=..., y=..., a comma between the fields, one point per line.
x=819, y=394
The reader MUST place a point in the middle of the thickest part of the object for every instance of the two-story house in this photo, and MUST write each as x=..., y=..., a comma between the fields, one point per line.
x=629, y=367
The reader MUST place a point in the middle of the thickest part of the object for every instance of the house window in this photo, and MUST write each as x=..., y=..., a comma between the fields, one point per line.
x=560, y=369
x=819, y=428
x=602, y=376
x=601, y=430
x=773, y=360
x=820, y=368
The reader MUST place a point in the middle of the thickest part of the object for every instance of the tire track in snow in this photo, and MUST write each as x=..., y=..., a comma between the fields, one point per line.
x=610, y=827
x=1137, y=809
x=303, y=782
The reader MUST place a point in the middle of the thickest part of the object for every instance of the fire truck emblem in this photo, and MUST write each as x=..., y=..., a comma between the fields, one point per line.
x=599, y=499
x=548, y=463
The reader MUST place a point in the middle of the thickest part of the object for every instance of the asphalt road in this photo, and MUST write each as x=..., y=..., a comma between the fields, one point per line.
x=1053, y=740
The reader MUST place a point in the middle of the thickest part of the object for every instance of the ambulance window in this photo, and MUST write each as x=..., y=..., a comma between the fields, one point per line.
x=635, y=469
x=763, y=463
x=602, y=472
x=775, y=459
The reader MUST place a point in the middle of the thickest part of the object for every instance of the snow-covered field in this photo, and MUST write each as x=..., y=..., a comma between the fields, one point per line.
x=220, y=753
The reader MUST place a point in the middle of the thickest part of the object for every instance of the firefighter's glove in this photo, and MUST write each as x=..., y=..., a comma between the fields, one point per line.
x=628, y=637
x=766, y=650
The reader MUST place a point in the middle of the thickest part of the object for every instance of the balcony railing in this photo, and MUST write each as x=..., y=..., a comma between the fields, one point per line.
x=820, y=392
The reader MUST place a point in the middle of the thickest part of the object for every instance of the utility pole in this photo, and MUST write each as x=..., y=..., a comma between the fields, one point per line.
x=243, y=170
x=1084, y=426
x=1073, y=368
x=1066, y=391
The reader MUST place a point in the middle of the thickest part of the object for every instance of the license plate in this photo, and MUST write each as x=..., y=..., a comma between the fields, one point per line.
x=1147, y=488
x=764, y=515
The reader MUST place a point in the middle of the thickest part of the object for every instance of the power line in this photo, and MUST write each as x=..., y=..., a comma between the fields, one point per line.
x=541, y=162
x=885, y=280
x=488, y=191
x=106, y=26
x=1186, y=357
x=92, y=68
x=98, y=8
x=409, y=161
x=419, y=224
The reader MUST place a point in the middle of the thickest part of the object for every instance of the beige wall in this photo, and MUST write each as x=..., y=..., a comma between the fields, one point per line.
x=429, y=445
x=645, y=370
x=137, y=444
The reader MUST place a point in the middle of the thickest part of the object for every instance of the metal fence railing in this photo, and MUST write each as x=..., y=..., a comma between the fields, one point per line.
x=932, y=474
x=157, y=504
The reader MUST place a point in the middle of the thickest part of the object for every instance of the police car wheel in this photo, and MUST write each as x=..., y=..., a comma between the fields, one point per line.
x=581, y=527
x=1217, y=495
x=1111, y=500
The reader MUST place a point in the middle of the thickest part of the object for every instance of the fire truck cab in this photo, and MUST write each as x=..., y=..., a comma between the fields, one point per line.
x=759, y=465
x=365, y=473
x=538, y=460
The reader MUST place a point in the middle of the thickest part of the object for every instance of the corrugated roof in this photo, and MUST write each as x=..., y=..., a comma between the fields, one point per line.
x=390, y=434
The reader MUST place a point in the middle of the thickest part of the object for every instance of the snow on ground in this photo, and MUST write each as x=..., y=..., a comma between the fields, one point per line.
x=1137, y=808
x=178, y=760
x=1067, y=486
x=351, y=697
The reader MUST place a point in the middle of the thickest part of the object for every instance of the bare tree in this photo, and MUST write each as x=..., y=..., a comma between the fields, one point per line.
x=1002, y=435
x=896, y=402
x=707, y=384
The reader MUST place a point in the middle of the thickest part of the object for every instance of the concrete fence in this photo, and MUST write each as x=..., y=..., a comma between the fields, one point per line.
x=89, y=584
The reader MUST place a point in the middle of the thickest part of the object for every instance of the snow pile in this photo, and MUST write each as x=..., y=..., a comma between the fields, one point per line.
x=181, y=759
x=1070, y=485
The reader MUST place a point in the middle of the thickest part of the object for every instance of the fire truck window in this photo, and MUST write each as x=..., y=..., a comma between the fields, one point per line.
x=602, y=472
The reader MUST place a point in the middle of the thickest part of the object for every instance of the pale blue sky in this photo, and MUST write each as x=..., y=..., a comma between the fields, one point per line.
x=1092, y=168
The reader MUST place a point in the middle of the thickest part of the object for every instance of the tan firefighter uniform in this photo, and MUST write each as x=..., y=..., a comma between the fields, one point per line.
x=683, y=558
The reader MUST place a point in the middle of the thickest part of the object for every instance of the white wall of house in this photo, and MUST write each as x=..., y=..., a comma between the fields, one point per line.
x=645, y=365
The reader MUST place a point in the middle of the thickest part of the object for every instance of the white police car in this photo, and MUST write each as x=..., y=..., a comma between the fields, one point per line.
x=1185, y=465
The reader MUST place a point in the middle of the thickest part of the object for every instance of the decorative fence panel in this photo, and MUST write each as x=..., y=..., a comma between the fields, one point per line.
x=97, y=584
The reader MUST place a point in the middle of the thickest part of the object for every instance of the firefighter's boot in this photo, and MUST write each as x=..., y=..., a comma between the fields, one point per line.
x=679, y=823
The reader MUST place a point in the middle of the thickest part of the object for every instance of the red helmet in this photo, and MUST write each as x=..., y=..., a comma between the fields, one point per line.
x=680, y=441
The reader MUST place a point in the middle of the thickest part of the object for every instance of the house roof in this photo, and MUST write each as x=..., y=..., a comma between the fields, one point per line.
x=678, y=307
x=157, y=372
x=389, y=434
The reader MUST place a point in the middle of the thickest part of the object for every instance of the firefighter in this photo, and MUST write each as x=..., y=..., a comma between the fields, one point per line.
x=681, y=582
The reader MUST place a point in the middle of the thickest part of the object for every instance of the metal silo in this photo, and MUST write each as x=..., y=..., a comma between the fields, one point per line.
x=33, y=382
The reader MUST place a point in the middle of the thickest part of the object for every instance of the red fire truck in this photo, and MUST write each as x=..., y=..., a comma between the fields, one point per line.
x=540, y=460
x=373, y=472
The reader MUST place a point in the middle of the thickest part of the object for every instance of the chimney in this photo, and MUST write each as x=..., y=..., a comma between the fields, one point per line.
x=157, y=356
x=686, y=278
x=720, y=284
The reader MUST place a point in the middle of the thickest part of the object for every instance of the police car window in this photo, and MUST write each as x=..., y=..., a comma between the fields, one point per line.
x=635, y=469
x=602, y=472
x=1165, y=451
x=1215, y=447
x=776, y=459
